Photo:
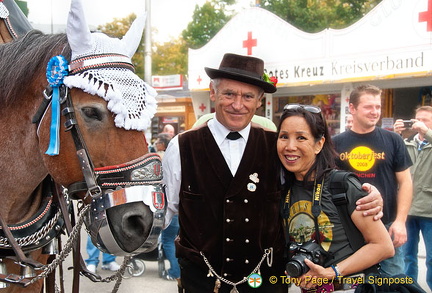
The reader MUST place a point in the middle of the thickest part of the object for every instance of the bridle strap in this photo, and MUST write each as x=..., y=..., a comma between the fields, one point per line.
x=87, y=167
x=76, y=187
x=47, y=93
x=71, y=124
x=43, y=106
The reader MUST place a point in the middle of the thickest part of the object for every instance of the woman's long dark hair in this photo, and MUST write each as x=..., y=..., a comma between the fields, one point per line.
x=325, y=160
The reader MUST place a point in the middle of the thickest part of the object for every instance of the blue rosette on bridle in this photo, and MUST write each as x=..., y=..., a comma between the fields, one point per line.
x=57, y=69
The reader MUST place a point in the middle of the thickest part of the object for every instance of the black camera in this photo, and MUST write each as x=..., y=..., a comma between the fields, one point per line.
x=299, y=252
x=408, y=123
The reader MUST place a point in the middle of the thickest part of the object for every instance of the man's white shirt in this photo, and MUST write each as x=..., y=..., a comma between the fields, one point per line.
x=232, y=151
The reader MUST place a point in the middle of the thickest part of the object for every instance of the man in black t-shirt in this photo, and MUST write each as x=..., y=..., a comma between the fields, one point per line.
x=378, y=157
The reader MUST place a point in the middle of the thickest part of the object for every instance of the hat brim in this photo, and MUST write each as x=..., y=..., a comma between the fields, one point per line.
x=217, y=73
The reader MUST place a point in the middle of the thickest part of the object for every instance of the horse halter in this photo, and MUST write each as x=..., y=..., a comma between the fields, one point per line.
x=107, y=187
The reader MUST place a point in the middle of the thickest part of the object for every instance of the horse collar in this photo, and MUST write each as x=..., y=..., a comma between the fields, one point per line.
x=40, y=229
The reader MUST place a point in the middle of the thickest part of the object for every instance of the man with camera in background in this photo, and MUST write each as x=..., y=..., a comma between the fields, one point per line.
x=420, y=214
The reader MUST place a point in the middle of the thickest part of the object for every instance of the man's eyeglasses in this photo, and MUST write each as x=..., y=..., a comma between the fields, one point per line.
x=309, y=108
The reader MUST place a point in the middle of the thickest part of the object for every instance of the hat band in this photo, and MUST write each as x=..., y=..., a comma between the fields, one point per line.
x=100, y=61
x=242, y=72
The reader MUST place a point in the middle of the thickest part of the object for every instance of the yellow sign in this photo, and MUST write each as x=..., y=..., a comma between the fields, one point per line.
x=362, y=158
x=171, y=109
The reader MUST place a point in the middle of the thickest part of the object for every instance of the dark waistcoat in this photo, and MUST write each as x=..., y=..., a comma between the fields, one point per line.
x=231, y=220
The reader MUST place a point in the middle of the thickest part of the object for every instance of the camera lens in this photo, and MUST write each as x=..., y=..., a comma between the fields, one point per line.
x=296, y=266
x=293, y=269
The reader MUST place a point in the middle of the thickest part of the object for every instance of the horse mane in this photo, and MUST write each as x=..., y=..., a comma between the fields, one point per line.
x=23, y=60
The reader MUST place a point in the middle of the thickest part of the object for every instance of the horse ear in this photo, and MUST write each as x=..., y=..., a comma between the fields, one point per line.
x=132, y=38
x=78, y=33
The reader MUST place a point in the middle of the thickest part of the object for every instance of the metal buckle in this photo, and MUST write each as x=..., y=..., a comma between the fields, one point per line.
x=46, y=96
x=63, y=93
x=13, y=278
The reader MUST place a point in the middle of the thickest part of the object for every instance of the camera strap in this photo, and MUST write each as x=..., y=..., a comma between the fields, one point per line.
x=316, y=208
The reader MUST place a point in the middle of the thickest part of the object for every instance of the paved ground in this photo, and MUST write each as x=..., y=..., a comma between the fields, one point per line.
x=150, y=282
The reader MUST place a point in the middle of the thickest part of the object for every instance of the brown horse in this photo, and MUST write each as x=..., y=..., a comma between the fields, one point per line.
x=23, y=161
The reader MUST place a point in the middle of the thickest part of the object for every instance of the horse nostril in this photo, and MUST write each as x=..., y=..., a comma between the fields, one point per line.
x=130, y=224
x=134, y=225
x=137, y=223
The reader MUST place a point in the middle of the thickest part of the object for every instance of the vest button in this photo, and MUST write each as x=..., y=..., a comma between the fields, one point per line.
x=247, y=240
x=246, y=201
x=246, y=220
x=246, y=261
x=228, y=240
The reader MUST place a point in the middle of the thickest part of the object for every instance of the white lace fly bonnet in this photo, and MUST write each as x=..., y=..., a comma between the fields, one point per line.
x=4, y=13
x=102, y=66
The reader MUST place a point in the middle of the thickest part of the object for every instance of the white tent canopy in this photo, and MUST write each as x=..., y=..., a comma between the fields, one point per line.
x=392, y=43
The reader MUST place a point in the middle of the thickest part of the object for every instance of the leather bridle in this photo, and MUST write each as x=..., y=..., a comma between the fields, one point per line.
x=103, y=182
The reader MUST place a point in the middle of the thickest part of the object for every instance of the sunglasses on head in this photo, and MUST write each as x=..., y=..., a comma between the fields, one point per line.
x=309, y=108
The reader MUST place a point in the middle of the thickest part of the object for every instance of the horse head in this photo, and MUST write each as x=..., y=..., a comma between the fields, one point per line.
x=106, y=109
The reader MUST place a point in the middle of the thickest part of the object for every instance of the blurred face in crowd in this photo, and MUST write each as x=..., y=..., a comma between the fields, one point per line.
x=425, y=117
x=235, y=102
x=349, y=121
x=169, y=129
x=296, y=146
x=367, y=113
x=160, y=146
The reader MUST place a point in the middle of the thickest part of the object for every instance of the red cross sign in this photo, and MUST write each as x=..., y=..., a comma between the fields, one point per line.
x=202, y=107
x=427, y=16
x=249, y=43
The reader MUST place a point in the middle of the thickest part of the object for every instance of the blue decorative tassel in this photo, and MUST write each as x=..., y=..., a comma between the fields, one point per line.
x=54, y=144
x=56, y=71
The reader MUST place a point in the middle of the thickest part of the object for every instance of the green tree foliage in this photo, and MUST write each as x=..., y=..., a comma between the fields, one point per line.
x=315, y=15
x=167, y=58
x=170, y=58
x=23, y=6
x=118, y=28
x=206, y=22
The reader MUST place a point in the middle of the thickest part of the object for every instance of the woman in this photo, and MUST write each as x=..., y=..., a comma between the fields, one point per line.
x=305, y=150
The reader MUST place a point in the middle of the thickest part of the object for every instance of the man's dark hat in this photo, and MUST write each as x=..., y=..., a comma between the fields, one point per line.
x=246, y=69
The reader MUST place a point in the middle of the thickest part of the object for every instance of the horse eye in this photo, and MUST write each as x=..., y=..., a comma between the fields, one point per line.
x=92, y=113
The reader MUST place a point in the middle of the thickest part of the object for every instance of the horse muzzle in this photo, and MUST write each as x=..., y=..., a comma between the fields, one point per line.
x=129, y=215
